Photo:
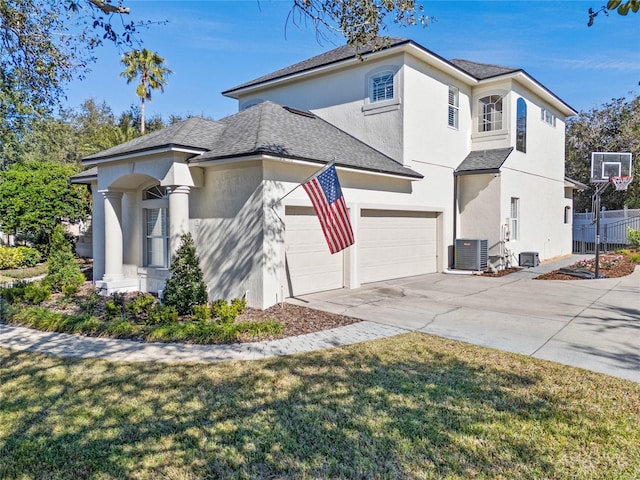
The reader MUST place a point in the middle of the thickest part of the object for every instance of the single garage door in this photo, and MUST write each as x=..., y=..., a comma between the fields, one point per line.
x=396, y=244
x=310, y=267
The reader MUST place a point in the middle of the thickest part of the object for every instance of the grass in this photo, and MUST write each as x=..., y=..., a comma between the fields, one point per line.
x=21, y=273
x=412, y=406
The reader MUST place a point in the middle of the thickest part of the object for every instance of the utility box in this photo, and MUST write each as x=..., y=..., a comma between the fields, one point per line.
x=472, y=254
x=529, y=259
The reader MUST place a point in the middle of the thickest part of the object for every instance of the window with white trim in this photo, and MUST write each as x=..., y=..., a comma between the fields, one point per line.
x=381, y=87
x=490, y=113
x=547, y=117
x=521, y=125
x=515, y=218
x=454, y=106
x=156, y=232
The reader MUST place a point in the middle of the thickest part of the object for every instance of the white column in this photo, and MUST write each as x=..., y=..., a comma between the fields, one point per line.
x=97, y=226
x=178, y=216
x=112, y=235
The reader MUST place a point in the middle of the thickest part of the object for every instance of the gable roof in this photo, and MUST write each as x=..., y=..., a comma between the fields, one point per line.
x=483, y=161
x=265, y=129
x=195, y=133
x=483, y=71
x=336, y=55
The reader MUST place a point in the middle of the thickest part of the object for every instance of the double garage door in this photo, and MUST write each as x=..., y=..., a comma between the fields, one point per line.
x=390, y=243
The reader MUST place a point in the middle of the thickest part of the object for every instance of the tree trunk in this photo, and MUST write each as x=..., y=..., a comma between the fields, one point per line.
x=142, y=117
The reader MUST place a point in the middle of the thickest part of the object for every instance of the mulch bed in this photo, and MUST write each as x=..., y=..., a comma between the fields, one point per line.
x=501, y=273
x=611, y=266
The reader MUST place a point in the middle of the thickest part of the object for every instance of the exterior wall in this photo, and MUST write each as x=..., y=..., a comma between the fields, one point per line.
x=341, y=98
x=227, y=221
x=480, y=214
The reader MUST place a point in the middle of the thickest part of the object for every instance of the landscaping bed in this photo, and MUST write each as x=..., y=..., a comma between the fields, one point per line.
x=611, y=266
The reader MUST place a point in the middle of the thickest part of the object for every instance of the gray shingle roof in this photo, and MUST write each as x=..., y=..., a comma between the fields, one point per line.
x=265, y=129
x=482, y=71
x=195, y=133
x=85, y=176
x=483, y=161
x=271, y=129
x=333, y=56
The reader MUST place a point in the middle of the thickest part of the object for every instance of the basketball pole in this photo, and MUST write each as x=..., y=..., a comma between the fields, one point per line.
x=599, y=190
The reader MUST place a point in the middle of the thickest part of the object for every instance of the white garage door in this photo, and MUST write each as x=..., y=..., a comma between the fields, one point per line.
x=310, y=267
x=396, y=244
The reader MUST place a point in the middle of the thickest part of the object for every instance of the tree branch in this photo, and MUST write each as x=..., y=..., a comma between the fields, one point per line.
x=108, y=8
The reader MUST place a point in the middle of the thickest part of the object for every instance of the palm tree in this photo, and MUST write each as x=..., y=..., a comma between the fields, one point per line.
x=149, y=66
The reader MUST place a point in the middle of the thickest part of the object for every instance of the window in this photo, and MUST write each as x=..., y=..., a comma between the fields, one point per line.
x=547, y=116
x=454, y=106
x=490, y=113
x=515, y=218
x=381, y=87
x=156, y=238
x=567, y=214
x=155, y=202
x=521, y=125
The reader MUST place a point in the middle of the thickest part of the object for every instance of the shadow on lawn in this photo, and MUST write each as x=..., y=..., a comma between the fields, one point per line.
x=394, y=412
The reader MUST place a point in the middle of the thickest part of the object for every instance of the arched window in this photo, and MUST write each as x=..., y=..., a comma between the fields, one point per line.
x=521, y=125
x=490, y=113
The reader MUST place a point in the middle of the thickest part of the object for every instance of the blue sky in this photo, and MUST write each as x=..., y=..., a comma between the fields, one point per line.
x=213, y=45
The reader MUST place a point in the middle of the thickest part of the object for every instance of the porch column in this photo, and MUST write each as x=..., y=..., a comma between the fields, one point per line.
x=178, y=216
x=112, y=235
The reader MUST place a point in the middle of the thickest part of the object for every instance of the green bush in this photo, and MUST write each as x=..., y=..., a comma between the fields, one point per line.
x=140, y=306
x=163, y=315
x=89, y=304
x=64, y=274
x=634, y=237
x=201, y=313
x=35, y=294
x=224, y=312
x=15, y=293
x=18, y=257
x=185, y=288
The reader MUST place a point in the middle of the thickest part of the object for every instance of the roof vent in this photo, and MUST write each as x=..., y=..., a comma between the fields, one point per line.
x=303, y=113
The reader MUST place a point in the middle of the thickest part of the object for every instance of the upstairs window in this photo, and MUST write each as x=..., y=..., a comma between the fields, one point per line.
x=381, y=87
x=547, y=117
x=490, y=113
x=454, y=106
x=521, y=125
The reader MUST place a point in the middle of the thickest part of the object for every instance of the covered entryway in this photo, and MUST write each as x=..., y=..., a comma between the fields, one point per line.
x=309, y=265
x=395, y=244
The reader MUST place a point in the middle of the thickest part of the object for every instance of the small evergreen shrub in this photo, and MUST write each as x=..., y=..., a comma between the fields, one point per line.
x=64, y=274
x=224, y=312
x=35, y=294
x=634, y=237
x=201, y=313
x=15, y=293
x=140, y=306
x=89, y=304
x=162, y=315
x=185, y=288
x=18, y=257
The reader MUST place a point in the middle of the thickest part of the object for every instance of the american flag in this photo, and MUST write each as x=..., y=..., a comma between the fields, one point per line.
x=328, y=202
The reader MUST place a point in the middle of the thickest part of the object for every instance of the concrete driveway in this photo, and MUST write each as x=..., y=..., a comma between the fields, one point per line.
x=592, y=324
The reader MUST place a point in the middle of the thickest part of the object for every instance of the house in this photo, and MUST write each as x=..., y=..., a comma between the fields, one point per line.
x=427, y=150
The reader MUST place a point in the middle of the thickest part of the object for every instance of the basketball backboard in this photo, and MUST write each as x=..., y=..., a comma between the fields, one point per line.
x=605, y=165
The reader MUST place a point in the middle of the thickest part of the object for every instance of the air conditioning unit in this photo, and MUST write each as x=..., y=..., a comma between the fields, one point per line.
x=472, y=254
x=528, y=259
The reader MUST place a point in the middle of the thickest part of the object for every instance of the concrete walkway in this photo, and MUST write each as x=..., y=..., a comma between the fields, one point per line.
x=593, y=324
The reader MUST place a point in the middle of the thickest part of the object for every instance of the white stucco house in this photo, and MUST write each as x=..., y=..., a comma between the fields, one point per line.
x=428, y=151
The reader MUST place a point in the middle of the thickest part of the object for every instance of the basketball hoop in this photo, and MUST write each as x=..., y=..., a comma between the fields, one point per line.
x=621, y=183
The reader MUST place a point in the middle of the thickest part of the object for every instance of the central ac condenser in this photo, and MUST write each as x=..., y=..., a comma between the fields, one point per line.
x=471, y=254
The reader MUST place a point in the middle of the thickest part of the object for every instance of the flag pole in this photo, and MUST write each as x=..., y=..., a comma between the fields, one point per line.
x=327, y=166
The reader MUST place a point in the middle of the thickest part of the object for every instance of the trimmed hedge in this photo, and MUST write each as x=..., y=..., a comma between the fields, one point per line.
x=18, y=257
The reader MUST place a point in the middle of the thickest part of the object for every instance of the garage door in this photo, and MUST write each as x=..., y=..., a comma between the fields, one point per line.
x=395, y=244
x=310, y=267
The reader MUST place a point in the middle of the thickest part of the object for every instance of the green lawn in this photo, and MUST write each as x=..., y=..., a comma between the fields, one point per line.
x=22, y=273
x=412, y=406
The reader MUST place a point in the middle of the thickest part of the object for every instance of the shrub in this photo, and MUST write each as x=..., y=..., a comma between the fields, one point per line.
x=163, y=315
x=15, y=293
x=18, y=257
x=224, y=312
x=185, y=288
x=89, y=304
x=201, y=313
x=35, y=294
x=634, y=237
x=140, y=306
x=634, y=257
x=64, y=274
